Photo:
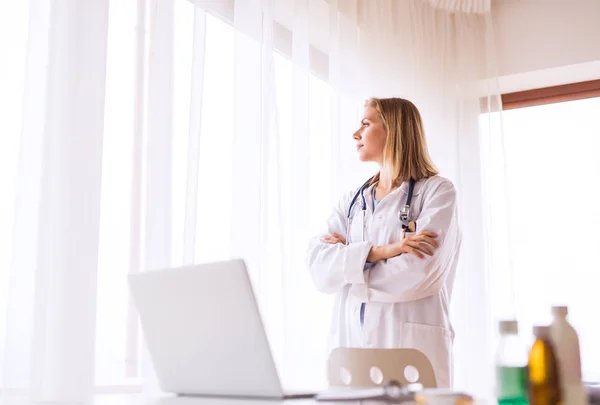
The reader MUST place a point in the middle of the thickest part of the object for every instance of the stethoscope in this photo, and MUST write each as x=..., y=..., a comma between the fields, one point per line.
x=403, y=215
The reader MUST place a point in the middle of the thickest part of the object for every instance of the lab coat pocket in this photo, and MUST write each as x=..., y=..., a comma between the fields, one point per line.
x=436, y=343
x=400, y=234
x=407, y=234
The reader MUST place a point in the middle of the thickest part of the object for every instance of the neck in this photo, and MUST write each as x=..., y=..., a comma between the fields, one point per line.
x=385, y=181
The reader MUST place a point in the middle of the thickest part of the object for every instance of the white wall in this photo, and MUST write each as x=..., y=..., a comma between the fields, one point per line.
x=547, y=36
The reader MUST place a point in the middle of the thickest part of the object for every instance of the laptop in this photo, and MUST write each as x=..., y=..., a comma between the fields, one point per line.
x=204, y=332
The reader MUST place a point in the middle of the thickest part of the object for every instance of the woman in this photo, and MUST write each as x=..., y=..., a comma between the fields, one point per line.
x=392, y=270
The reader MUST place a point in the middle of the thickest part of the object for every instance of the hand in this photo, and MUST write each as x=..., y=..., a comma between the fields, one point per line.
x=418, y=245
x=335, y=238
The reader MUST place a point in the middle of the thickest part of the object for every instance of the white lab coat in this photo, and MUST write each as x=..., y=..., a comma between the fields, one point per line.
x=407, y=298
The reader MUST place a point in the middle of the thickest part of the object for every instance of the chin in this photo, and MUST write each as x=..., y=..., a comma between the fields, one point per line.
x=364, y=158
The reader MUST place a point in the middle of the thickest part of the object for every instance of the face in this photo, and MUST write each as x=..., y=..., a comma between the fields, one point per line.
x=370, y=137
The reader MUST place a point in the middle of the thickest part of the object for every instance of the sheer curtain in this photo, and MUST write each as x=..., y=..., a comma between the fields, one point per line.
x=441, y=56
x=52, y=231
x=146, y=134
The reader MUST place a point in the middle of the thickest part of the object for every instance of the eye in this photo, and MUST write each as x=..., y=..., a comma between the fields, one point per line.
x=365, y=124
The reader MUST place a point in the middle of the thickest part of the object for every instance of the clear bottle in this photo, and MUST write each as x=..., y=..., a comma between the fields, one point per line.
x=543, y=379
x=566, y=345
x=511, y=366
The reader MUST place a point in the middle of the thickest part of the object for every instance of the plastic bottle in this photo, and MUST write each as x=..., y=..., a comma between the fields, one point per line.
x=511, y=366
x=543, y=378
x=566, y=345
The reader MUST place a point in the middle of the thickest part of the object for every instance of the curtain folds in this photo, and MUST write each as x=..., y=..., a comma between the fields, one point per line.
x=157, y=133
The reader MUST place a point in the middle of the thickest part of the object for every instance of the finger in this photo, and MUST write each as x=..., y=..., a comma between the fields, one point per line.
x=429, y=240
x=428, y=233
x=416, y=252
x=340, y=237
x=424, y=248
x=421, y=246
x=432, y=242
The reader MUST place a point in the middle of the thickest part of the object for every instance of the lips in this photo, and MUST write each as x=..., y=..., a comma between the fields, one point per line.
x=359, y=146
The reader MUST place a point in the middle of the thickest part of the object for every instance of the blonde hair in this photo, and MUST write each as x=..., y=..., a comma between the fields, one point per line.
x=405, y=155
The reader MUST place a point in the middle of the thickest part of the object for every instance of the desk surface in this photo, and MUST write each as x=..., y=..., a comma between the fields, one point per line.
x=165, y=399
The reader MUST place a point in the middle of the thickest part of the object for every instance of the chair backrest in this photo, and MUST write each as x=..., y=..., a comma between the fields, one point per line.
x=358, y=368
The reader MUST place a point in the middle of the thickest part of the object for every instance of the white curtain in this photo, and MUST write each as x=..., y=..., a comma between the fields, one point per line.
x=155, y=133
x=55, y=134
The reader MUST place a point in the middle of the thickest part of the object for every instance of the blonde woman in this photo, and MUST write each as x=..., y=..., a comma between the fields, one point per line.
x=391, y=247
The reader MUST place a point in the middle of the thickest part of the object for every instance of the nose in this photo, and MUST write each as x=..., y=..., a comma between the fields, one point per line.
x=356, y=136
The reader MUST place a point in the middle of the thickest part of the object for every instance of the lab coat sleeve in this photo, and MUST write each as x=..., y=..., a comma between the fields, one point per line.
x=406, y=277
x=333, y=266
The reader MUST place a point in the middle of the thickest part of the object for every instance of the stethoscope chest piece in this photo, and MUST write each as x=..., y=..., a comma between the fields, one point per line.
x=403, y=215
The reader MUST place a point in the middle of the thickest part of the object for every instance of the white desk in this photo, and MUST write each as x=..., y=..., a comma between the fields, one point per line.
x=166, y=399
x=160, y=399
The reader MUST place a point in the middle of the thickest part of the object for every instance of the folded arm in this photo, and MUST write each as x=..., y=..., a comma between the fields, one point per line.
x=407, y=277
x=334, y=265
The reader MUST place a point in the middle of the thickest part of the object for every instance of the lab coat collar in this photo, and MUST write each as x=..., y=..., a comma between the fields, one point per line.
x=403, y=188
x=417, y=190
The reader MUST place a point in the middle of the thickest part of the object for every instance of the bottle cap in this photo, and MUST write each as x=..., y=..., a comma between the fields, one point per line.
x=560, y=310
x=541, y=332
x=509, y=327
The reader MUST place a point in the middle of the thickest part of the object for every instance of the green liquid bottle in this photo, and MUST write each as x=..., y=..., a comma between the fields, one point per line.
x=511, y=366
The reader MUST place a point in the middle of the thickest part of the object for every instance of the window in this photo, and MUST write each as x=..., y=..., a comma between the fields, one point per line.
x=546, y=199
x=118, y=339
x=14, y=26
x=113, y=364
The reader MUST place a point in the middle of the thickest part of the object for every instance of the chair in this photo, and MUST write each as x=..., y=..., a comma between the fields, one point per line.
x=361, y=368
